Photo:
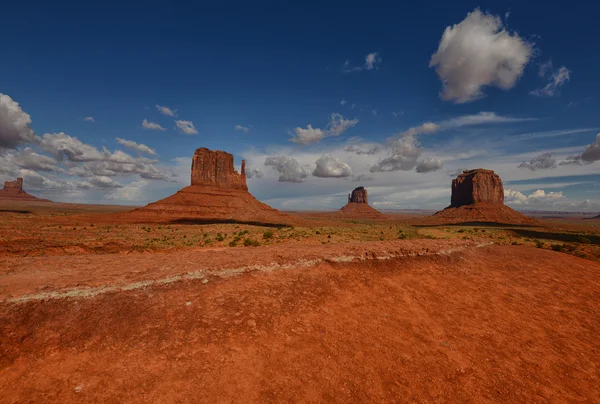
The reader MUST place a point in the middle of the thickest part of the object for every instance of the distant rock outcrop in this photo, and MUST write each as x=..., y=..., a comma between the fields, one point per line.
x=358, y=206
x=218, y=194
x=13, y=191
x=478, y=196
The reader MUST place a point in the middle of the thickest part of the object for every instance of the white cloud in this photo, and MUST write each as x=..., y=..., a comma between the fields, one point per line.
x=254, y=173
x=130, y=192
x=99, y=182
x=553, y=133
x=337, y=126
x=136, y=146
x=539, y=197
x=592, y=151
x=372, y=60
x=165, y=110
x=476, y=53
x=362, y=148
x=289, y=168
x=559, y=78
x=186, y=127
x=331, y=167
x=541, y=162
x=152, y=125
x=429, y=164
x=405, y=151
x=30, y=160
x=427, y=127
x=343, y=102
x=242, y=128
x=89, y=119
x=15, y=124
x=362, y=178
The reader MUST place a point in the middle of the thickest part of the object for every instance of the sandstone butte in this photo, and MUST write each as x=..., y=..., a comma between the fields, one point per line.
x=13, y=191
x=217, y=193
x=478, y=196
x=358, y=206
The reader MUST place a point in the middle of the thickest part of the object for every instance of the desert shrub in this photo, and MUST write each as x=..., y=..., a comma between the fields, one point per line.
x=515, y=243
x=539, y=244
x=232, y=243
x=220, y=237
x=584, y=240
x=317, y=232
x=329, y=236
x=205, y=235
x=268, y=234
x=558, y=247
x=207, y=241
x=461, y=230
x=251, y=243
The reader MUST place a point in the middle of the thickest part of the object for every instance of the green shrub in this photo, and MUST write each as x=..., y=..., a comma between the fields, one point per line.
x=268, y=234
x=317, y=232
x=232, y=243
x=558, y=247
x=251, y=243
x=539, y=244
x=220, y=237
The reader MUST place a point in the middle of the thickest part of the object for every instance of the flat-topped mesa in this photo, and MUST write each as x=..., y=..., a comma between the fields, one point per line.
x=475, y=187
x=215, y=168
x=14, y=187
x=359, y=195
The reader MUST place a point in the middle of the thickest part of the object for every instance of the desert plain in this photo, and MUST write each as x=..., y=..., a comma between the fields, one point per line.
x=97, y=306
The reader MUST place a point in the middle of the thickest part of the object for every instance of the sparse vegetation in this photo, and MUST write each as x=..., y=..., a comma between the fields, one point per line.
x=251, y=243
x=268, y=234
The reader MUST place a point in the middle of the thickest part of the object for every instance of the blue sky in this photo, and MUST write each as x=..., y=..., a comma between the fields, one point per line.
x=325, y=98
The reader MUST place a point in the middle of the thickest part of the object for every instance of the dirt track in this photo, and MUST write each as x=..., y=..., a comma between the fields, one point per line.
x=495, y=323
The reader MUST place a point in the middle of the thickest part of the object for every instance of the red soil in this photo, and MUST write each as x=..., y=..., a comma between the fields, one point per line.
x=488, y=324
x=481, y=212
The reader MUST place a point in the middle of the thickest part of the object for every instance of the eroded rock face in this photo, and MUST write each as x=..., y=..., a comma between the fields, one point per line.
x=14, y=187
x=475, y=187
x=215, y=168
x=359, y=195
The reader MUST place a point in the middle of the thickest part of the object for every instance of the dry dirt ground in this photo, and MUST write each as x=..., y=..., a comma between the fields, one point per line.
x=336, y=311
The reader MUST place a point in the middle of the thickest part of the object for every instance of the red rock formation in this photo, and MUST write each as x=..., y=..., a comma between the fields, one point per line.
x=13, y=191
x=215, y=168
x=478, y=196
x=359, y=195
x=217, y=193
x=477, y=186
x=358, y=206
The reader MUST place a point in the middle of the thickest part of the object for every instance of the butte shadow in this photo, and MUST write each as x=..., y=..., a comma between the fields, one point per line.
x=217, y=194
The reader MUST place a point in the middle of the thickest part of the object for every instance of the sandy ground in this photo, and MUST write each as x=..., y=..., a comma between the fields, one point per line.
x=464, y=318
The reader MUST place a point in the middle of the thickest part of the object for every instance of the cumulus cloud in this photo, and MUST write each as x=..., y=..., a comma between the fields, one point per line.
x=476, y=53
x=152, y=126
x=337, y=125
x=30, y=160
x=429, y=164
x=289, y=168
x=89, y=119
x=331, y=167
x=592, y=152
x=242, y=128
x=99, y=182
x=539, y=197
x=136, y=146
x=165, y=110
x=405, y=152
x=15, y=124
x=362, y=148
x=541, y=162
x=254, y=173
x=186, y=127
x=555, y=81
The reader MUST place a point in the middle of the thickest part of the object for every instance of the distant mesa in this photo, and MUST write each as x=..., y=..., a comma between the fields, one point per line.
x=217, y=193
x=478, y=196
x=13, y=191
x=358, y=205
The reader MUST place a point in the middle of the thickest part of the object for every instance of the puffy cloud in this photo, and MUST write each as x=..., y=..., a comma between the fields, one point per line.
x=30, y=160
x=242, y=128
x=130, y=192
x=136, y=146
x=337, y=126
x=15, y=124
x=62, y=146
x=362, y=149
x=89, y=119
x=331, y=167
x=541, y=162
x=289, y=168
x=478, y=52
x=371, y=60
x=254, y=173
x=539, y=197
x=559, y=78
x=405, y=151
x=592, y=152
x=165, y=110
x=99, y=182
x=427, y=127
x=429, y=164
x=151, y=125
x=186, y=127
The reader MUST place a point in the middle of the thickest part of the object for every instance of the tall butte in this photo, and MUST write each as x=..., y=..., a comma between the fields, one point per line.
x=217, y=193
x=478, y=196
x=13, y=191
x=358, y=205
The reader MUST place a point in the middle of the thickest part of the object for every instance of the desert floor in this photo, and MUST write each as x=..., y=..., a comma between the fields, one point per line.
x=98, y=309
